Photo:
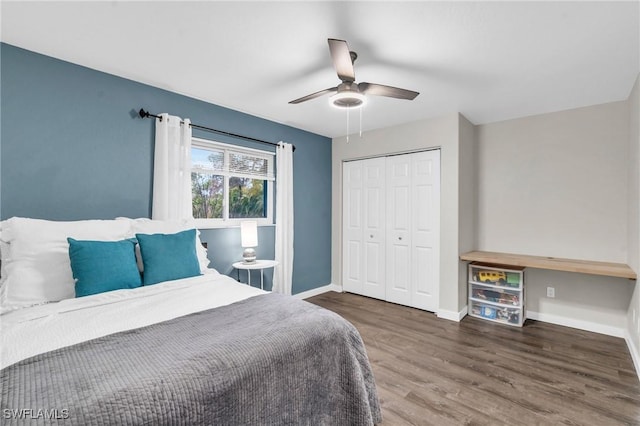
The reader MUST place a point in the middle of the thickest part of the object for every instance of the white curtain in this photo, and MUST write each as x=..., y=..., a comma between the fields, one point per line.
x=283, y=272
x=172, y=169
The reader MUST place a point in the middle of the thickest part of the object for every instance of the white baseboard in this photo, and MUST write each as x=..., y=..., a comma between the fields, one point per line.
x=635, y=356
x=452, y=315
x=579, y=324
x=319, y=290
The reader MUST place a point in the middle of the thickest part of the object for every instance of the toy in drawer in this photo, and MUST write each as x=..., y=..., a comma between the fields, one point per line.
x=501, y=296
x=487, y=275
x=511, y=316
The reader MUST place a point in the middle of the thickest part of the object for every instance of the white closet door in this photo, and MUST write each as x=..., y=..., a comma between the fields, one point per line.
x=352, y=228
x=399, y=215
x=391, y=228
x=425, y=242
x=364, y=227
x=374, y=228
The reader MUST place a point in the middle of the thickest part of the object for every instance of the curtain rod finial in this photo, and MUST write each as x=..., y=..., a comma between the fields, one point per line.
x=143, y=113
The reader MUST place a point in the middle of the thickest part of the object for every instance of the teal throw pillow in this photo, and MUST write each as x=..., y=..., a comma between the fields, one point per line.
x=100, y=266
x=168, y=257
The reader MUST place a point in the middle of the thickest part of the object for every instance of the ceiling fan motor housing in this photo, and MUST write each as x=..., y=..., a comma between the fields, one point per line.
x=348, y=96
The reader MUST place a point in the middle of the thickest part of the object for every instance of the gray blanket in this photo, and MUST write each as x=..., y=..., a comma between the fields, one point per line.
x=267, y=360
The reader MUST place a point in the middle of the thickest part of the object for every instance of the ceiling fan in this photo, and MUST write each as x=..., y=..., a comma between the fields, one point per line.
x=350, y=94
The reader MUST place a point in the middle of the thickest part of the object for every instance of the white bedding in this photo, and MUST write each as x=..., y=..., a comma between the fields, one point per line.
x=39, y=329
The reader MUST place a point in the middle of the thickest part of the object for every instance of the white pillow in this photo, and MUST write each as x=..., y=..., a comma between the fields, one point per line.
x=37, y=263
x=148, y=226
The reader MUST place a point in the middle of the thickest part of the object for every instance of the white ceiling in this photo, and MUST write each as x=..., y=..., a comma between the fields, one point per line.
x=490, y=61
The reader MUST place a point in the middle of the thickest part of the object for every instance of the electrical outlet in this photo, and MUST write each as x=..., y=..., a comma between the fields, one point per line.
x=551, y=292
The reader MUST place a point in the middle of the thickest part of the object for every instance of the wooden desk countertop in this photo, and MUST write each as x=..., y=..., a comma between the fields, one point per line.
x=620, y=270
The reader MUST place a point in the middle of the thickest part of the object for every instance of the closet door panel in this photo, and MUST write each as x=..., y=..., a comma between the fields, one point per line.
x=398, y=251
x=425, y=230
x=352, y=274
x=363, y=227
x=374, y=227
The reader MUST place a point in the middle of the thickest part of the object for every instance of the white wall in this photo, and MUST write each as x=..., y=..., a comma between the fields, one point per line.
x=556, y=185
x=439, y=132
x=587, y=302
x=634, y=178
x=468, y=203
x=633, y=314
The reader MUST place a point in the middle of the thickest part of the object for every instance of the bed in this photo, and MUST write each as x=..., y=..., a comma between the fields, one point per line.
x=203, y=349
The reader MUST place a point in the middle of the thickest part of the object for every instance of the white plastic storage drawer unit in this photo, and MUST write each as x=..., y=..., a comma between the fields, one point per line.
x=496, y=293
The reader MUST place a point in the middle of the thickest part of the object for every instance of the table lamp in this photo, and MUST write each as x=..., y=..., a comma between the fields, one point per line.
x=249, y=240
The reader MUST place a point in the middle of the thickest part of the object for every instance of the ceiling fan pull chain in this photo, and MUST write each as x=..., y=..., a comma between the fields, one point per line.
x=348, y=124
x=361, y=122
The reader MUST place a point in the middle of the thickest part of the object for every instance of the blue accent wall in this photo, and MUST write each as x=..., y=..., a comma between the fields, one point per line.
x=72, y=147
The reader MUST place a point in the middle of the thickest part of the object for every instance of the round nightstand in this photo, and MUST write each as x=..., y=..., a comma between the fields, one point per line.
x=258, y=264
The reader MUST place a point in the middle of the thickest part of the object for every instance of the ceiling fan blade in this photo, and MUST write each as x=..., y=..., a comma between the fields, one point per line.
x=342, y=60
x=313, y=95
x=389, y=91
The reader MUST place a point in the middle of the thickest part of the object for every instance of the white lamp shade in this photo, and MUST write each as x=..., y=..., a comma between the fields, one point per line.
x=249, y=233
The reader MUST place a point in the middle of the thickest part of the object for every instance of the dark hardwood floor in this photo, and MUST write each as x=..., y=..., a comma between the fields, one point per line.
x=431, y=371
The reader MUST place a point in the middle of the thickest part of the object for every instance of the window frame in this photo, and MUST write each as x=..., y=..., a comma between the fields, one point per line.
x=226, y=221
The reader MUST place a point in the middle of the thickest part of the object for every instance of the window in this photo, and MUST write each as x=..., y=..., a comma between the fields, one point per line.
x=230, y=183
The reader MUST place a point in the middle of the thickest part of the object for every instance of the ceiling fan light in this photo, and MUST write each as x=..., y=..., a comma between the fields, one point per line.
x=348, y=99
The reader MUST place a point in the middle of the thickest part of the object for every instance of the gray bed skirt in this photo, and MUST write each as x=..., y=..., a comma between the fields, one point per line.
x=267, y=360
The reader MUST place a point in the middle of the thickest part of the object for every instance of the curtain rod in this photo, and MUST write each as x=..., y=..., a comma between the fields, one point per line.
x=147, y=114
